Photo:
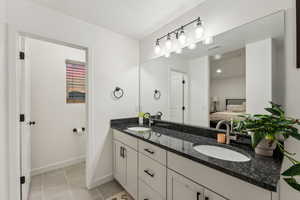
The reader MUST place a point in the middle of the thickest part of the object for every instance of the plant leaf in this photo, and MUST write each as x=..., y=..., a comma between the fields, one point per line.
x=295, y=134
x=256, y=138
x=293, y=183
x=273, y=111
x=292, y=171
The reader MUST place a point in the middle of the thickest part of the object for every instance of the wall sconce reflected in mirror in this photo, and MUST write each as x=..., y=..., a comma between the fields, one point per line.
x=157, y=94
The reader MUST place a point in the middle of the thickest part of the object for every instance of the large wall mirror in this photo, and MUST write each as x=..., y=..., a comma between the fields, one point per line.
x=236, y=74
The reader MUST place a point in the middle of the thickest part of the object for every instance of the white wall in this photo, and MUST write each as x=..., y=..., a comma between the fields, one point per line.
x=223, y=15
x=114, y=62
x=231, y=83
x=228, y=88
x=3, y=105
x=199, y=86
x=54, y=117
x=155, y=74
x=258, y=76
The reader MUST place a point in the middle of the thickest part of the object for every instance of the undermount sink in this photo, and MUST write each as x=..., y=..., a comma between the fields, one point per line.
x=139, y=129
x=222, y=153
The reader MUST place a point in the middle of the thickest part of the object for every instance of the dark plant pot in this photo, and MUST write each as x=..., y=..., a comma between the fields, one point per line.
x=265, y=148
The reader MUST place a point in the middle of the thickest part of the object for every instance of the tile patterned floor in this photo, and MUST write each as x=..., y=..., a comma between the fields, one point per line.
x=69, y=184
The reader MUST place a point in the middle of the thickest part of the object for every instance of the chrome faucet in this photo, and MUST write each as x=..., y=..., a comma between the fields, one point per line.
x=149, y=117
x=228, y=129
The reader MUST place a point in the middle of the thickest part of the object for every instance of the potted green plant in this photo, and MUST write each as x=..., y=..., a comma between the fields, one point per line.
x=268, y=131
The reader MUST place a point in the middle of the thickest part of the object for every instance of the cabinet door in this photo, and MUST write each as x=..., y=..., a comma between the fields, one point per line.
x=180, y=188
x=209, y=195
x=131, y=171
x=119, y=163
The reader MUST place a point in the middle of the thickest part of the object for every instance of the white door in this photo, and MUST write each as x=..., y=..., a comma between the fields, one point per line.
x=178, y=97
x=25, y=126
x=180, y=188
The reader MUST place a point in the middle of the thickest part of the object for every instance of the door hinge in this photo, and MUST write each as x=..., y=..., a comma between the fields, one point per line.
x=22, y=118
x=22, y=55
x=22, y=180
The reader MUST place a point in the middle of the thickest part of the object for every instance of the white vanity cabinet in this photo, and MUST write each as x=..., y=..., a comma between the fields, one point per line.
x=126, y=163
x=180, y=187
x=149, y=172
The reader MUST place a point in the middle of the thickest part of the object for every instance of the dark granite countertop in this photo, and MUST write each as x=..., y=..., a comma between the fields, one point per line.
x=261, y=171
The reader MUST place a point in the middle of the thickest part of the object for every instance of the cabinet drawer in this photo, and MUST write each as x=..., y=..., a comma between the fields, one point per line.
x=125, y=139
x=153, y=152
x=153, y=174
x=146, y=192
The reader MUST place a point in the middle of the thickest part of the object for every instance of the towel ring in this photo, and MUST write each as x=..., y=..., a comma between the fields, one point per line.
x=118, y=93
x=157, y=94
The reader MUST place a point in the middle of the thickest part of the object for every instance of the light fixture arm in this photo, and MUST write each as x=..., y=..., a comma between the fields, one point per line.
x=177, y=30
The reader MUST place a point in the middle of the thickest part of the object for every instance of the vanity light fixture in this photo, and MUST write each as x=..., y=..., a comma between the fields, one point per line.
x=177, y=44
x=157, y=48
x=182, y=39
x=199, y=31
x=169, y=43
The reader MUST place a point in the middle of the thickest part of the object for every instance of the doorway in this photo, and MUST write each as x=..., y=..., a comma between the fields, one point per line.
x=178, y=108
x=53, y=133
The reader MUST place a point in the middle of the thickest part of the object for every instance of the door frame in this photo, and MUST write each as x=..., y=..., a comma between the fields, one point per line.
x=14, y=72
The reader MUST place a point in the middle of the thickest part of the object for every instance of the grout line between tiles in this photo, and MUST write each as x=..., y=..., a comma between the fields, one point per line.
x=68, y=183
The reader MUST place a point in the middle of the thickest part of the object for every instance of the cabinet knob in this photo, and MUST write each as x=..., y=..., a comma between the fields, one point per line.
x=206, y=198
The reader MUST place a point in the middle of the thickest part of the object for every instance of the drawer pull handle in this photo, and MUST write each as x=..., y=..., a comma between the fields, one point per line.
x=149, y=173
x=149, y=151
x=198, y=195
x=206, y=198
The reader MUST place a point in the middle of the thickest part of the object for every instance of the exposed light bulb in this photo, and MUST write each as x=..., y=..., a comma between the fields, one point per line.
x=199, y=31
x=192, y=46
x=208, y=40
x=167, y=54
x=157, y=48
x=182, y=37
x=169, y=43
x=219, y=71
x=179, y=51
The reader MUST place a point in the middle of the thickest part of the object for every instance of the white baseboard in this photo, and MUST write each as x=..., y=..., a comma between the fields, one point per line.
x=100, y=181
x=57, y=165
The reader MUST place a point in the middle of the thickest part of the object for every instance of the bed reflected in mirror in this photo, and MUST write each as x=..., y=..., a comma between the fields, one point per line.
x=227, y=86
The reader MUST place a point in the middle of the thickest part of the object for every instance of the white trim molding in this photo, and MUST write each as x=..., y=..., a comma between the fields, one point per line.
x=101, y=181
x=57, y=165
